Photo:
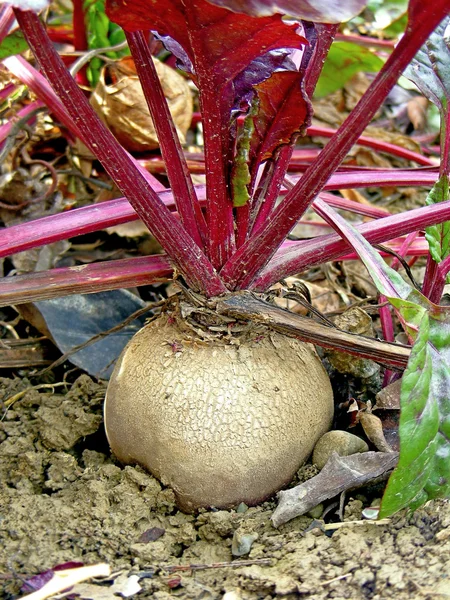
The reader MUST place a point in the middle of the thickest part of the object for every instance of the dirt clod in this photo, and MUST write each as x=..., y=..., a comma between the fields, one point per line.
x=63, y=498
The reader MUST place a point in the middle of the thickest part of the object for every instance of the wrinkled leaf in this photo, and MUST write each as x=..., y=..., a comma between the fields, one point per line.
x=425, y=392
x=340, y=473
x=438, y=236
x=283, y=112
x=430, y=68
x=220, y=44
x=240, y=174
x=228, y=53
x=344, y=60
x=243, y=86
x=14, y=43
x=321, y=11
x=272, y=85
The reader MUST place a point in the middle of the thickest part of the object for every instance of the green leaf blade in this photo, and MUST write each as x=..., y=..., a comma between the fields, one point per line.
x=14, y=43
x=344, y=60
x=419, y=425
x=438, y=236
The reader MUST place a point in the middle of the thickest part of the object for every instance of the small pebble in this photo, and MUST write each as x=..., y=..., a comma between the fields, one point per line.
x=342, y=442
x=316, y=512
x=371, y=513
x=242, y=543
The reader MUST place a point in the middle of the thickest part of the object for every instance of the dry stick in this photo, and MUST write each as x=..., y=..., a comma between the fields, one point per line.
x=245, y=305
x=235, y=564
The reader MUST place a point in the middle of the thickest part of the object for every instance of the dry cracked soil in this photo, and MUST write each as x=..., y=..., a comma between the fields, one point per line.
x=63, y=497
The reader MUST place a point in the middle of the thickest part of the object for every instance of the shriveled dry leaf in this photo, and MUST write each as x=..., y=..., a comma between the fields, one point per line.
x=373, y=428
x=389, y=397
x=119, y=101
x=417, y=111
x=341, y=473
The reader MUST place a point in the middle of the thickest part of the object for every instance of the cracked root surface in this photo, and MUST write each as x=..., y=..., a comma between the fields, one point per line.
x=220, y=423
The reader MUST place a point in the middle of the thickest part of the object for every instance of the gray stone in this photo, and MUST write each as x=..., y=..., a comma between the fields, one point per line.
x=342, y=442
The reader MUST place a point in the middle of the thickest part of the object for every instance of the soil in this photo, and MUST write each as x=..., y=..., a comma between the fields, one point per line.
x=63, y=497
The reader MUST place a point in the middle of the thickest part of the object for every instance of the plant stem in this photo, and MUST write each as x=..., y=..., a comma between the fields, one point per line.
x=251, y=258
x=303, y=255
x=6, y=21
x=324, y=35
x=433, y=282
x=177, y=170
x=188, y=257
x=219, y=208
x=115, y=212
x=80, y=40
x=378, y=145
x=84, y=279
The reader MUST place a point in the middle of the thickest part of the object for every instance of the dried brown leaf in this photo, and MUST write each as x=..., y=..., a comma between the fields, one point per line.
x=120, y=102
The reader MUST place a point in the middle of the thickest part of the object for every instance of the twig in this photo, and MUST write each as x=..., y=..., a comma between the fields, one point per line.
x=88, y=56
x=13, y=399
x=221, y=565
x=62, y=580
x=16, y=128
x=332, y=526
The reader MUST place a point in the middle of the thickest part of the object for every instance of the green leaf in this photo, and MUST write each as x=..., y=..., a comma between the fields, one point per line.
x=14, y=43
x=423, y=470
x=430, y=68
x=397, y=26
x=419, y=424
x=438, y=236
x=344, y=60
x=387, y=13
x=240, y=174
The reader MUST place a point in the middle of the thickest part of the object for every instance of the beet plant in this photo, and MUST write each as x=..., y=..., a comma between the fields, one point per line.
x=221, y=396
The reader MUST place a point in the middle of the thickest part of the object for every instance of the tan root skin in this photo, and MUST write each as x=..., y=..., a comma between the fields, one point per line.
x=221, y=424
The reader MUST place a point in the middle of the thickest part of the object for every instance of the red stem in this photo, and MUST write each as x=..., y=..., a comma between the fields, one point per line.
x=219, y=208
x=176, y=166
x=251, y=258
x=378, y=145
x=182, y=249
x=366, y=41
x=80, y=41
x=6, y=21
x=324, y=38
x=114, y=212
x=433, y=282
x=305, y=254
x=84, y=279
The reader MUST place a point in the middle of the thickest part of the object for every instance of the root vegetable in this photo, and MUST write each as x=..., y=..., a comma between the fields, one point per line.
x=219, y=422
